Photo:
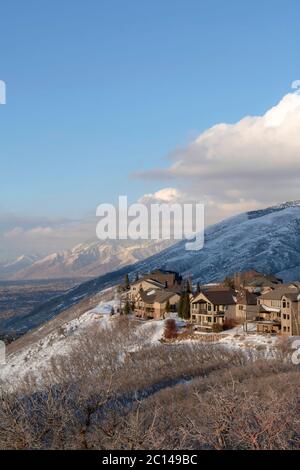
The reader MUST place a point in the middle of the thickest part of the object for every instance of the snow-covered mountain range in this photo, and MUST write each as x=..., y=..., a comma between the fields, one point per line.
x=86, y=260
x=267, y=240
x=9, y=269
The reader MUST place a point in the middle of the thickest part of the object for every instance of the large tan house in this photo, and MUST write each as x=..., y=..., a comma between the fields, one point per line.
x=216, y=305
x=279, y=310
x=245, y=308
x=209, y=307
x=144, y=284
x=153, y=303
x=158, y=279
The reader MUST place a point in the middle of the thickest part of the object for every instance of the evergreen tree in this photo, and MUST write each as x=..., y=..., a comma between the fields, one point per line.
x=126, y=282
x=127, y=309
x=198, y=289
x=187, y=286
x=186, y=306
x=112, y=312
x=180, y=306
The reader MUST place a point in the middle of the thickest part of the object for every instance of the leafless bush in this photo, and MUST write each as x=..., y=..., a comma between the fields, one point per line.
x=116, y=391
x=170, y=331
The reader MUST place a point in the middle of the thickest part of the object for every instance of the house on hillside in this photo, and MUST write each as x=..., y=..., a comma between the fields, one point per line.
x=158, y=280
x=245, y=309
x=144, y=284
x=153, y=304
x=279, y=311
x=209, y=308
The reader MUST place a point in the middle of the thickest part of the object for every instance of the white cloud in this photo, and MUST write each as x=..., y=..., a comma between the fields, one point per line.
x=165, y=195
x=235, y=167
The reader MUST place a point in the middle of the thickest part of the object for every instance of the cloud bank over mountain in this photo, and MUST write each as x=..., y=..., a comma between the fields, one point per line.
x=241, y=166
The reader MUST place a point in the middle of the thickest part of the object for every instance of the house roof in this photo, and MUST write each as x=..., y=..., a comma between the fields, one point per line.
x=219, y=297
x=277, y=294
x=292, y=296
x=150, y=296
x=153, y=282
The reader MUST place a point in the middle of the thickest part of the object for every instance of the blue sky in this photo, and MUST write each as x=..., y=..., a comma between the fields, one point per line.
x=98, y=90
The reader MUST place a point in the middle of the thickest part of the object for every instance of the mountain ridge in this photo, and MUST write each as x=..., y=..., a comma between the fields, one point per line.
x=84, y=261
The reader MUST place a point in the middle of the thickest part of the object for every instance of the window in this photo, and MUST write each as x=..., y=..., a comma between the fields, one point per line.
x=288, y=305
x=288, y=328
x=209, y=319
x=284, y=328
x=284, y=316
x=209, y=307
x=283, y=304
x=288, y=317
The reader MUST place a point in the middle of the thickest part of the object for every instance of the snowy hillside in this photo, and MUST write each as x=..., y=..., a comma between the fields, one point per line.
x=34, y=353
x=267, y=240
x=31, y=357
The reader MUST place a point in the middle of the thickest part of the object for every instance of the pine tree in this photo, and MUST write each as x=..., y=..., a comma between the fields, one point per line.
x=186, y=306
x=189, y=286
x=180, y=306
x=126, y=282
x=127, y=308
x=198, y=289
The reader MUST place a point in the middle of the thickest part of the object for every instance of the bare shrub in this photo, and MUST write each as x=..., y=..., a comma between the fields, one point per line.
x=170, y=331
x=117, y=390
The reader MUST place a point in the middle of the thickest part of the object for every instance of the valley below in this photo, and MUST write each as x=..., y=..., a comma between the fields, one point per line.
x=18, y=298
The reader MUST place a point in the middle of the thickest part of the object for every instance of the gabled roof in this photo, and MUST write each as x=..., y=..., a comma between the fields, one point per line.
x=160, y=296
x=278, y=293
x=218, y=297
x=294, y=297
